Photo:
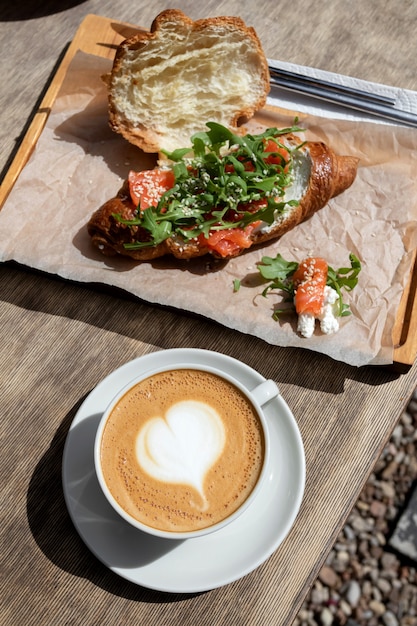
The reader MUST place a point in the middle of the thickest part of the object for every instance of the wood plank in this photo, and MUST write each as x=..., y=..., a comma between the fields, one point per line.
x=100, y=36
x=405, y=328
x=96, y=35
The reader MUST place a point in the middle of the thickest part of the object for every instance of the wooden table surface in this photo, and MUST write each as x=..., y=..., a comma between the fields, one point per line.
x=59, y=339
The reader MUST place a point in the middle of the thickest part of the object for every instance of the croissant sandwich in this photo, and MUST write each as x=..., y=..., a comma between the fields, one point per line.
x=227, y=194
x=181, y=90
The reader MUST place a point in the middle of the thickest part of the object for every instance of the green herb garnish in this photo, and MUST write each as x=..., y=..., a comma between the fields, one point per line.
x=222, y=181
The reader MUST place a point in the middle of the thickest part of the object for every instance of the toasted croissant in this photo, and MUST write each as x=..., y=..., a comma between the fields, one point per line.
x=165, y=83
x=318, y=175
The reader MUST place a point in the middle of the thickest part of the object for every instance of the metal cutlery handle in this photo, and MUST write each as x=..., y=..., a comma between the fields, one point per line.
x=278, y=74
x=372, y=108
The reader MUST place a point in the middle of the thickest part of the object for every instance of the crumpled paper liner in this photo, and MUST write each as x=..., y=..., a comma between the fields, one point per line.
x=79, y=163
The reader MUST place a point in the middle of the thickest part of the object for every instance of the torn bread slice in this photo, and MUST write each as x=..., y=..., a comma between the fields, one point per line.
x=166, y=83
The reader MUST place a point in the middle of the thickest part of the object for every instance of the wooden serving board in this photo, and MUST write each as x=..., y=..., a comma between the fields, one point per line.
x=100, y=36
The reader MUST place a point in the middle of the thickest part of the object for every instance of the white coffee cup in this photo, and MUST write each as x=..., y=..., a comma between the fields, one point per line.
x=186, y=443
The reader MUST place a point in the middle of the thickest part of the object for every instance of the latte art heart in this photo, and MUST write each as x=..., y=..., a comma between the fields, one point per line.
x=183, y=445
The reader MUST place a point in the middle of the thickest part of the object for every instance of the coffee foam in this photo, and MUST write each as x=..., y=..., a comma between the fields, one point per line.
x=183, y=446
x=192, y=489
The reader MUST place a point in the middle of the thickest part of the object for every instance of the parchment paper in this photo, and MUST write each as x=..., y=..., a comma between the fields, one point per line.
x=79, y=163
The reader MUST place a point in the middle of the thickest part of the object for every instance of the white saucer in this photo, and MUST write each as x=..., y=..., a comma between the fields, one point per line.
x=193, y=565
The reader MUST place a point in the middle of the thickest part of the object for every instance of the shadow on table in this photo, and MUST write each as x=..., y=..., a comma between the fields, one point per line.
x=112, y=309
x=53, y=529
x=13, y=12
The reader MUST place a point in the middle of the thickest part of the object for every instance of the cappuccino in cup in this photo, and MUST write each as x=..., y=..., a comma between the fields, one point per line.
x=181, y=451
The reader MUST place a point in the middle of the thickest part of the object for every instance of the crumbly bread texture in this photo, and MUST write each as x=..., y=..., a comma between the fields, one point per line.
x=165, y=84
x=318, y=175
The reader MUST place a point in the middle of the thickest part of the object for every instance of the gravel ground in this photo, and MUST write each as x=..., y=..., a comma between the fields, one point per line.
x=364, y=581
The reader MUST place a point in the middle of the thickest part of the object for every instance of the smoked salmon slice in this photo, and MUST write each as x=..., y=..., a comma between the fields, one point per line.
x=148, y=186
x=230, y=241
x=309, y=281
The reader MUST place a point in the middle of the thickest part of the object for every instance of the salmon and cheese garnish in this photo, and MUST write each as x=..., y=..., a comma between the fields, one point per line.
x=313, y=288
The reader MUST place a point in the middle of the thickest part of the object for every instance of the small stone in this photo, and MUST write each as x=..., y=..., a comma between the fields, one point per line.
x=319, y=594
x=377, y=509
x=362, y=506
x=340, y=618
x=367, y=588
x=394, y=596
x=374, y=573
x=369, y=488
x=362, y=524
x=343, y=555
x=387, y=489
x=397, y=434
x=353, y=593
x=326, y=617
x=389, y=561
x=396, y=584
x=367, y=615
x=376, y=552
x=345, y=608
x=378, y=608
x=376, y=594
x=357, y=568
x=389, y=619
x=334, y=598
x=390, y=470
x=408, y=595
x=304, y=615
x=328, y=576
x=341, y=561
x=384, y=586
x=363, y=548
x=399, y=457
x=349, y=533
x=413, y=465
x=381, y=539
x=391, y=513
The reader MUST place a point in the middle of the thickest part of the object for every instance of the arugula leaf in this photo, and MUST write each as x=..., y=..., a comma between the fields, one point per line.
x=218, y=181
x=344, y=278
x=178, y=154
x=278, y=270
x=161, y=231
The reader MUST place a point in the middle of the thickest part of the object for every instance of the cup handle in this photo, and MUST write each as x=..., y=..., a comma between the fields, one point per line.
x=265, y=391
